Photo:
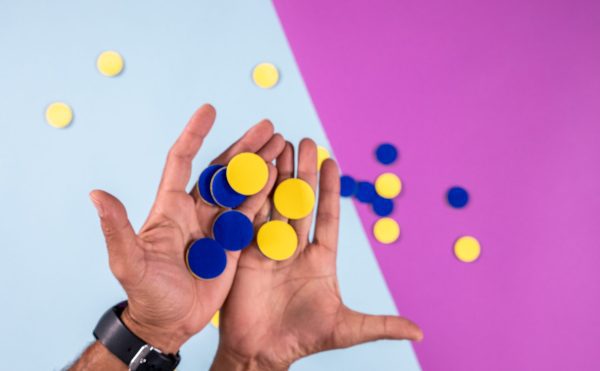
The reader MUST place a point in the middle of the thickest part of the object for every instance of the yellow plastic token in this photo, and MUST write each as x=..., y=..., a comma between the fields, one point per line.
x=388, y=185
x=59, y=115
x=247, y=173
x=110, y=63
x=322, y=155
x=467, y=249
x=277, y=240
x=265, y=75
x=386, y=230
x=215, y=320
x=294, y=198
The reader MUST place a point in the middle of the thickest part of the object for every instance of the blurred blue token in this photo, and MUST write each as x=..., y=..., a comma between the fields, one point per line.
x=222, y=192
x=365, y=192
x=382, y=206
x=457, y=197
x=347, y=186
x=206, y=258
x=233, y=230
x=386, y=153
x=204, y=183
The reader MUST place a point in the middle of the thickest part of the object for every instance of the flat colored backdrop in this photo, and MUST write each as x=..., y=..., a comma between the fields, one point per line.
x=54, y=276
x=502, y=97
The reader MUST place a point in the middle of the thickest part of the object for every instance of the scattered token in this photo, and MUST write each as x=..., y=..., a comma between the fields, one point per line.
x=222, y=192
x=277, y=240
x=365, y=192
x=322, y=155
x=110, y=63
x=388, y=185
x=386, y=230
x=206, y=258
x=265, y=75
x=382, y=206
x=467, y=249
x=386, y=153
x=347, y=186
x=457, y=197
x=59, y=115
x=294, y=198
x=215, y=319
x=247, y=173
x=204, y=183
x=233, y=230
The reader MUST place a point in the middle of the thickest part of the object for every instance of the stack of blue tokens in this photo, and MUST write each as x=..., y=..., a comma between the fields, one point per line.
x=215, y=190
x=364, y=191
x=206, y=258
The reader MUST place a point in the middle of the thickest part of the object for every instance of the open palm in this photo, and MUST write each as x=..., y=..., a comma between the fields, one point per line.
x=278, y=312
x=166, y=304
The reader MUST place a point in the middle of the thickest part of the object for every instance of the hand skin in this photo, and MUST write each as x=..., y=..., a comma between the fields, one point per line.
x=167, y=305
x=278, y=312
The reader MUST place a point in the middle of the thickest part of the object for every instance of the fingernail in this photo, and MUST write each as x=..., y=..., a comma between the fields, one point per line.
x=97, y=205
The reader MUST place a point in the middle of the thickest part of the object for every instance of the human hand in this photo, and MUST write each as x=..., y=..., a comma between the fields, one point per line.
x=280, y=311
x=166, y=304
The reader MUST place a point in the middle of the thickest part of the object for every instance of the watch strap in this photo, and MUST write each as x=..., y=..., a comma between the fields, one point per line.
x=129, y=348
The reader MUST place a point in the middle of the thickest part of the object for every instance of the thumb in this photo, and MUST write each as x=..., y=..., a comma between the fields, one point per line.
x=362, y=328
x=118, y=232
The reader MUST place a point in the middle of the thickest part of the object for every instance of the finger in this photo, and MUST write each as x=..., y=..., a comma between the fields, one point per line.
x=307, y=171
x=252, y=140
x=273, y=148
x=179, y=161
x=328, y=212
x=121, y=240
x=254, y=203
x=357, y=328
x=285, y=170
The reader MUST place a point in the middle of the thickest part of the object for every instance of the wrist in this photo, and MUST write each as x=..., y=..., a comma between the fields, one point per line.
x=231, y=361
x=167, y=341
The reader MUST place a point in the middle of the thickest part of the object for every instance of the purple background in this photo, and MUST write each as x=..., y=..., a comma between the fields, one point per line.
x=502, y=97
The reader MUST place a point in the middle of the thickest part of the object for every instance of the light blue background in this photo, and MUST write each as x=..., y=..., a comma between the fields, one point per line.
x=55, y=281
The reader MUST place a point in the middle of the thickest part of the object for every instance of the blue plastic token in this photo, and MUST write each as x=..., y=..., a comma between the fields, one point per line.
x=222, y=192
x=347, y=186
x=382, y=206
x=206, y=258
x=204, y=183
x=233, y=230
x=386, y=153
x=365, y=192
x=457, y=197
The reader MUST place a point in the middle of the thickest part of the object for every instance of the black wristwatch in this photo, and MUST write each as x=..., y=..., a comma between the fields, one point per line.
x=129, y=348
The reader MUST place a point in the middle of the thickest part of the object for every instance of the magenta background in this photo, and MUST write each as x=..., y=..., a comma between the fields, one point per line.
x=502, y=97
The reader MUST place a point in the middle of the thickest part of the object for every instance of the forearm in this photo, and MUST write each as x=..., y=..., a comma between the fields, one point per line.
x=97, y=357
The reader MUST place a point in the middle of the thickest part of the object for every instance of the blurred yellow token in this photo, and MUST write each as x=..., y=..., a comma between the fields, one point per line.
x=322, y=155
x=386, y=230
x=215, y=320
x=467, y=249
x=265, y=75
x=110, y=63
x=247, y=173
x=388, y=185
x=277, y=240
x=294, y=198
x=59, y=115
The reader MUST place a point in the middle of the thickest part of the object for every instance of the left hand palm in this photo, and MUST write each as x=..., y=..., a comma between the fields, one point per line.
x=167, y=305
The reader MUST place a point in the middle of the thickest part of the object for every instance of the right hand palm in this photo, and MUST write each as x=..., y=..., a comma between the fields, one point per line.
x=277, y=312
